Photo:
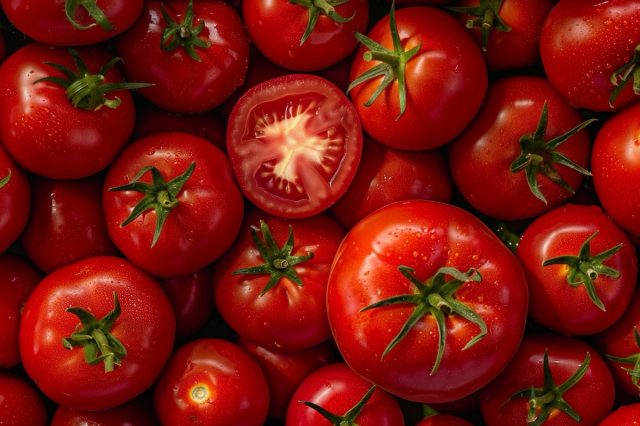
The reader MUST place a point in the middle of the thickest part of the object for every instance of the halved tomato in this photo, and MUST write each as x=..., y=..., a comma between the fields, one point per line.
x=295, y=143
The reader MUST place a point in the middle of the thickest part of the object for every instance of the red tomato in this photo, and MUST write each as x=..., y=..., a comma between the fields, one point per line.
x=195, y=60
x=338, y=391
x=20, y=403
x=294, y=143
x=212, y=382
x=63, y=23
x=583, y=43
x=145, y=327
x=510, y=131
x=66, y=224
x=445, y=79
x=581, y=269
x=192, y=208
x=444, y=420
x=305, y=35
x=138, y=412
x=560, y=372
x=271, y=286
x=430, y=263
x=615, y=162
x=625, y=415
x=39, y=124
x=15, y=199
x=18, y=278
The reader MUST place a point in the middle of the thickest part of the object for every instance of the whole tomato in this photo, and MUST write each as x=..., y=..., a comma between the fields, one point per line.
x=625, y=415
x=15, y=199
x=20, y=402
x=171, y=203
x=211, y=382
x=138, y=412
x=420, y=295
x=105, y=326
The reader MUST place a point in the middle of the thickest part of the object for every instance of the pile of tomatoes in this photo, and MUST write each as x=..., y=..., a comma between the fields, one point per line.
x=315, y=212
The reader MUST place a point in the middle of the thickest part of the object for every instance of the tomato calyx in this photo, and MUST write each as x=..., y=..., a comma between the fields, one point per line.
x=183, y=34
x=317, y=8
x=5, y=180
x=392, y=64
x=70, y=7
x=486, y=16
x=549, y=397
x=349, y=418
x=94, y=336
x=538, y=156
x=279, y=261
x=631, y=359
x=85, y=90
x=624, y=74
x=161, y=196
x=435, y=296
x=584, y=268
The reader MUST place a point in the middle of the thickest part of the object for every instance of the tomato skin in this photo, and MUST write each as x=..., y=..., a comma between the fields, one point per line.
x=138, y=412
x=183, y=84
x=592, y=397
x=18, y=278
x=15, y=199
x=444, y=420
x=276, y=28
x=146, y=327
x=625, y=415
x=615, y=164
x=287, y=317
x=583, y=42
x=41, y=128
x=20, y=403
x=446, y=81
x=480, y=158
x=236, y=390
x=424, y=235
x=337, y=389
x=203, y=224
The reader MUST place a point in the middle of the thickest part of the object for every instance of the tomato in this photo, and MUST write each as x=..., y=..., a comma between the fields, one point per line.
x=171, y=204
x=15, y=199
x=515, y=161
x=625, y=415
x=20, y=403
x=615, y=162
x=443, y=77
x=67, y=223
x=39, y=124
x=71, y=22
x=212, y=382
x=586, y=46
x=126, y=313
x=18, y=278
x=138, y=412
x=420, y=295
x=271, y=286
x=305, y=35
x=386, y=175
x=444, y=420
x=195, y=54
x=295, y=143
x=570, y=383
x=344, y=398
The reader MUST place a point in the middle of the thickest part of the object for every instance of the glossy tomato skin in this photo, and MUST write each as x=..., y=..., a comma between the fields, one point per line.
x=625, y=415
x=288, y=317
x=386, y=175
x=583, y=43
x=424, y=235
x=615, y=164
x=15, y=199
x=67, y=222
x=199, y=229
x=46, y=21
x=295, y=143
x=553, y=302
x=212, y=382
x=592, y=397
x=337, y=389
x=20, y=402
x=146, y=327
x=480, y=158
x=41, y=128
x=277, y=28
x=18, y=278
x=181, y=83
x=445, y=81
x=138, y=412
